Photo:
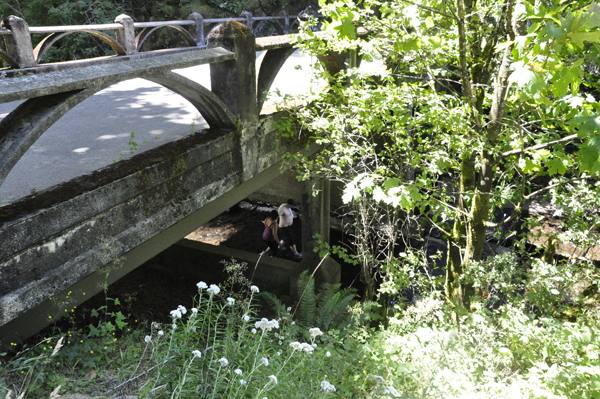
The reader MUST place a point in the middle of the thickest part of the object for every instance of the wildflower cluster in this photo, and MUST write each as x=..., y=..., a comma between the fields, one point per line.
x=219, y=349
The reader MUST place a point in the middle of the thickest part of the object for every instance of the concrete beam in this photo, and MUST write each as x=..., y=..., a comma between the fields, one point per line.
x=60, y=81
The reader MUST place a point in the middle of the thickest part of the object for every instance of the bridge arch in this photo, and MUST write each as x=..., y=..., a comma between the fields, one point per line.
x=260, y=27
x=8, y=59
x=47, y=42
x=146, y=32
x=25, y=125
x=268, y=66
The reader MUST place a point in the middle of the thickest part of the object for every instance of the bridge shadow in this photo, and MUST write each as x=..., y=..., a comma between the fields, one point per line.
x=241, y=228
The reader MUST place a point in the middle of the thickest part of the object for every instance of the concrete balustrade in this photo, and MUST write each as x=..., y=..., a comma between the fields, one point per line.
x=21, y=54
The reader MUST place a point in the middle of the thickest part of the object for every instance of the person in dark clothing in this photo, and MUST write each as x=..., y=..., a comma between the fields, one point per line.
x=270, y=234
x=286, y=219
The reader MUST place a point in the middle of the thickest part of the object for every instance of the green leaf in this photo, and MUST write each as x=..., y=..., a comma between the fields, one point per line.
x=589, y=155
x=391, y=183
x=577, y=38
x=588, y=124
x=556, y=166
x=435, y=41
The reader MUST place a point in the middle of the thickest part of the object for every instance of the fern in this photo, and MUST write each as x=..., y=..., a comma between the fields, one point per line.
x=274, y=303
x=307, y=307
x=326, y=310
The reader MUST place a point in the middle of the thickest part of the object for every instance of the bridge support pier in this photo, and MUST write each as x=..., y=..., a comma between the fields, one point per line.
x=234, y=82
x=315, y=229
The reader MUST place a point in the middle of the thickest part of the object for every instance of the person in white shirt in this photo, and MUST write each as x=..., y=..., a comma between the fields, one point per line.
x=286, y=219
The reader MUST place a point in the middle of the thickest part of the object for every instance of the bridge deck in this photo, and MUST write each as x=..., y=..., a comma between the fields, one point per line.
x=60, y=80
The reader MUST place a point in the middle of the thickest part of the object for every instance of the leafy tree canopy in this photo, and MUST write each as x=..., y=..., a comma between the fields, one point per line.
x=482, y=104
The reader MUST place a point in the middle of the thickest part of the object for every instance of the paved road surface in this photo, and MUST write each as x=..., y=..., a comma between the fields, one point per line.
x=96, y=133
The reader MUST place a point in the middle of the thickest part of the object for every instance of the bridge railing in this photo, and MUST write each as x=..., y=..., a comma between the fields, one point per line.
x=20, y=52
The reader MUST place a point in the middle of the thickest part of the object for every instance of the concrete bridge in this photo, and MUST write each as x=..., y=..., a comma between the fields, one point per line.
x=67, y=240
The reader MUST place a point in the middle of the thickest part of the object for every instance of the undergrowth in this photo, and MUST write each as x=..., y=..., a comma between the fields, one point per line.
x=220, y=348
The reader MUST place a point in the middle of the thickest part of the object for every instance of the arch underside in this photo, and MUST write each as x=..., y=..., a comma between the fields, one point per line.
x=270, y=62
x=20, y=129
x=8, y=59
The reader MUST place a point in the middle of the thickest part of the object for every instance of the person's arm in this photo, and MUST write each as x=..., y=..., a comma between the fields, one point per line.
x=274, y=231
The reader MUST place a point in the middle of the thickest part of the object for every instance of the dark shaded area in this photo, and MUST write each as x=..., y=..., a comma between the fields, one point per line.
x=150, y=292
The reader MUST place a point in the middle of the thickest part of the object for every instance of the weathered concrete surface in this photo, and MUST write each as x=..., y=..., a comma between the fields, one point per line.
x=18, y=45
x=97, y=228
x=59, y=81
x=274, y=275
x=118, y=218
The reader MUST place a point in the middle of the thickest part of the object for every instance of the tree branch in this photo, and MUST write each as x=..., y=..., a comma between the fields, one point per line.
x=433, y=10
x=444, y=232
x=538, y=146
x=516, y=212
x=562, y=183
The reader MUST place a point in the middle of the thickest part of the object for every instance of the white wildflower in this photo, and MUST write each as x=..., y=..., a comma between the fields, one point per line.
x=253, y=331
x=182, y=309
x=147, y=338
x=254, y=289
x=174, y=326
x=314, y=345
x=238, y=371
x=267, y=325
x=230, y=301
x=307, y=348
x=59, y=345
x=161, y=332
x=293, y=322
x=194, y=310
x=278, y=353
x=273, y=379
x=196, y=353
x=176, y=313
x=327, y=353
x=297, y=346
x=327, y=387
x=378, y=378
x=202, y=285
x=315, y=332
x=224, y=362
x=242, y=382
x=214, y=289
x=246, y=317
x=264, y=361
x=289, y=309
x=391, y=391
x=53, y=395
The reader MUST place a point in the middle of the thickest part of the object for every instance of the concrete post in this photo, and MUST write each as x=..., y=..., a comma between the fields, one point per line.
x=315, y=221
x=126, y=36
x=18, y=45
x=234, y=82
x=286, y=22
x=197, y=31
x=248, y=16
